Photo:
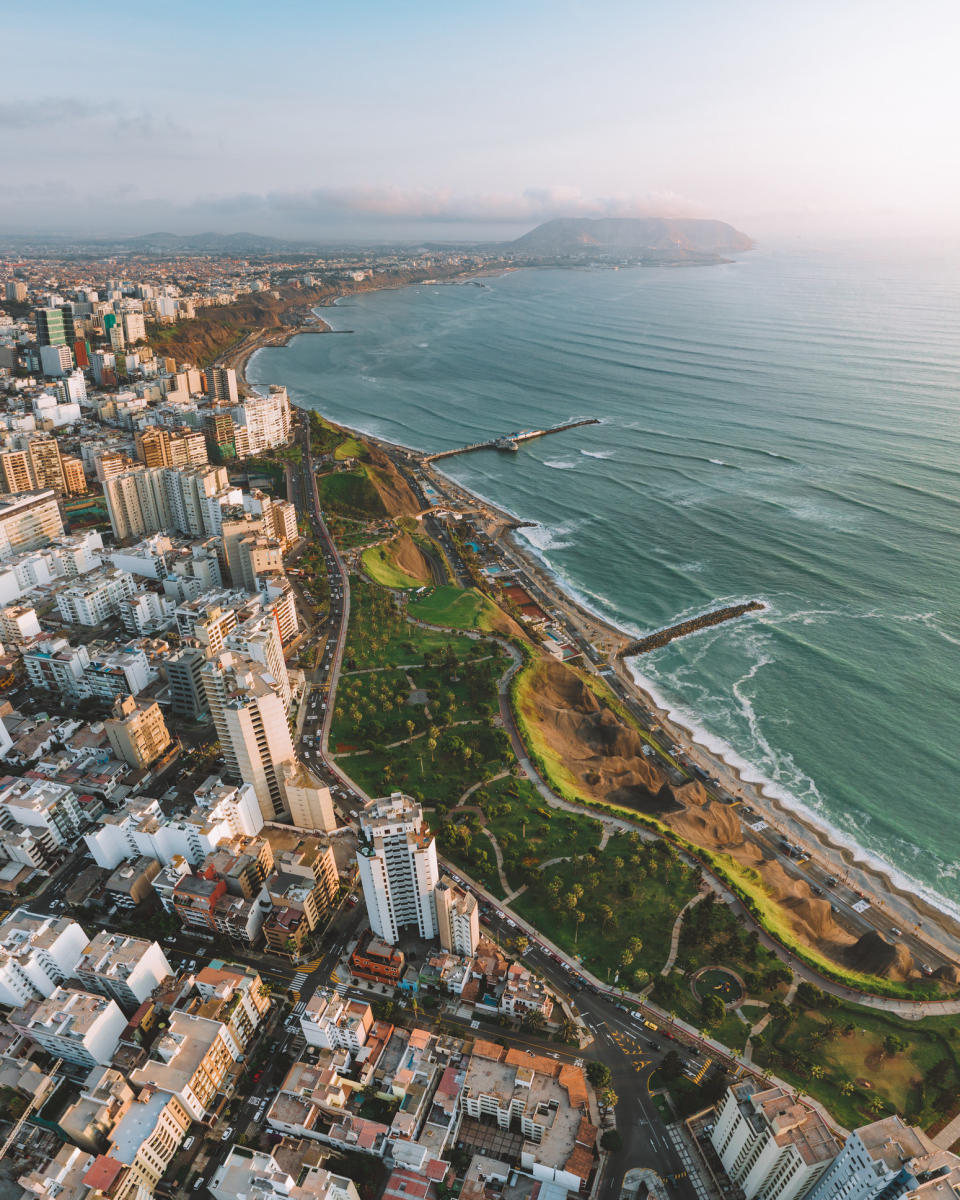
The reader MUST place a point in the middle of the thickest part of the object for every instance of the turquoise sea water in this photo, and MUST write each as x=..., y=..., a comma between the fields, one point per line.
x=786, y=427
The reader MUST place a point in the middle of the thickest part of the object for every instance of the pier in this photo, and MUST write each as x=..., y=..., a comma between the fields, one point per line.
x=511, y=441
x=717, y=616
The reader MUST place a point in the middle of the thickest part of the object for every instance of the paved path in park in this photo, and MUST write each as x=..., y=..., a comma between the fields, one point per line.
x=675, y=935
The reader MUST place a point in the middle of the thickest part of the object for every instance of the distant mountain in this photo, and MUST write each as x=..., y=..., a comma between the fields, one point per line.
x=662, y=239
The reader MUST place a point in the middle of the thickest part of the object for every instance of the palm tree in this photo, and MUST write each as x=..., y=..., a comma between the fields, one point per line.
x=579, y=918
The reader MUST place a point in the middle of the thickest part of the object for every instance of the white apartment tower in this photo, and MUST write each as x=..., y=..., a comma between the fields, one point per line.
x=251, y=722
x=458, y=918
x=36, y=954
x=875, y=1156
x=772, y=1145
x=398, y=867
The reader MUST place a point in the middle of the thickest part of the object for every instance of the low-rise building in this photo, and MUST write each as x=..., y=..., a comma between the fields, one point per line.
x=546, y=1100
x=132, y=882
x=258, y=1176
x=335, y=1023
x=377, y=960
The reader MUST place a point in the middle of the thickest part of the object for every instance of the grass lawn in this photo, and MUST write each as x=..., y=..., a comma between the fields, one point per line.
x=629, y=890
x=479, y=861
x=436, y=777
x=350, y=493
x=351, y=447
x=378, y=634
x=527, y=830
x=830, y=1051
x=454, y=607
x=380, y=566
x=753, y=1012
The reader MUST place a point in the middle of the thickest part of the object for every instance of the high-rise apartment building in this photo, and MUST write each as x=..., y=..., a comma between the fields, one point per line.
x=263, y=422
x=158, y=446
x=15, y=474
x=185, y=680
x=458, y=918
x=74, y=477
x=883, y=1161
x=137, y=731
x=46, y=466
x=28, y=522
x=136, y=505
x=16, y=290
x=251, y=722
x=309, y=801
x=397, y=857
x=222, y=385
x=54, y=326
x=770, y=1143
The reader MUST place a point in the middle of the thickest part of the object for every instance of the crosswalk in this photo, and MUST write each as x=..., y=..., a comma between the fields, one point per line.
x=690, y=1169
x=297, y=982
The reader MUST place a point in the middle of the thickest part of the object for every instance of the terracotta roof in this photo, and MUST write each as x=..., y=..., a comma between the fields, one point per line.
x=103, y=1172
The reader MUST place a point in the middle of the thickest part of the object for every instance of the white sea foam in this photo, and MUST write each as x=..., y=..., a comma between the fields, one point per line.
x=543, y=538
x=561, y=464
x=782, y=764
x=718, y=462
x=598, y=453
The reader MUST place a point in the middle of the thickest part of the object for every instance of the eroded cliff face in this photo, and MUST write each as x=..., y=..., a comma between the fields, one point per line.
x=605, y=755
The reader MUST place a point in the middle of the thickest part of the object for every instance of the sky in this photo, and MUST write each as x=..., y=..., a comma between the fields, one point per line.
x=438, y=120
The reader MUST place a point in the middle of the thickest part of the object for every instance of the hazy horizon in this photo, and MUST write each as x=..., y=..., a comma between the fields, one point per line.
x=381, y=122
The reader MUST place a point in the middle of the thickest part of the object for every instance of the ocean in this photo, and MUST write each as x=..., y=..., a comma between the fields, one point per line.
x=785, y=428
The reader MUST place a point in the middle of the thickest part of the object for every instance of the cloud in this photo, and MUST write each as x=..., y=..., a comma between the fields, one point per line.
x=441, y=205
x=49, y=114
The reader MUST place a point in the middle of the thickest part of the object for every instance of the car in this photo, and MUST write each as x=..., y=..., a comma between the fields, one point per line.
x=198, y=1183
x=227, y=1133
x=894, y=932
x=257, y=1075
x=188, y=1143
x=192, y=965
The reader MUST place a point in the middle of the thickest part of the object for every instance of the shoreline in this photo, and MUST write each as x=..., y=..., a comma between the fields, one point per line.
x=920, y=910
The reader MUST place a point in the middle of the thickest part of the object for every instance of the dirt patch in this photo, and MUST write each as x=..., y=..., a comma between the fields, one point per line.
x=410, y=559
x=398, y=499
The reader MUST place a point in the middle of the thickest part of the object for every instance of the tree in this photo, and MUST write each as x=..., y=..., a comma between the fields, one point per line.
x=607, y=917
x=713, y=1009
x=579, y=917
x=893, y=1044
x=847, y=1088
x=607, y=1098
x=599, y=1074
x=672, y=1065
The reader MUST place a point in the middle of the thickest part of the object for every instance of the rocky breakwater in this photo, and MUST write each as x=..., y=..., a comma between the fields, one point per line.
x=716, y=616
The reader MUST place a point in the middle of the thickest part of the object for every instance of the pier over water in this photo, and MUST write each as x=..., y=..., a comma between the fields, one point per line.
x=511, y=441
